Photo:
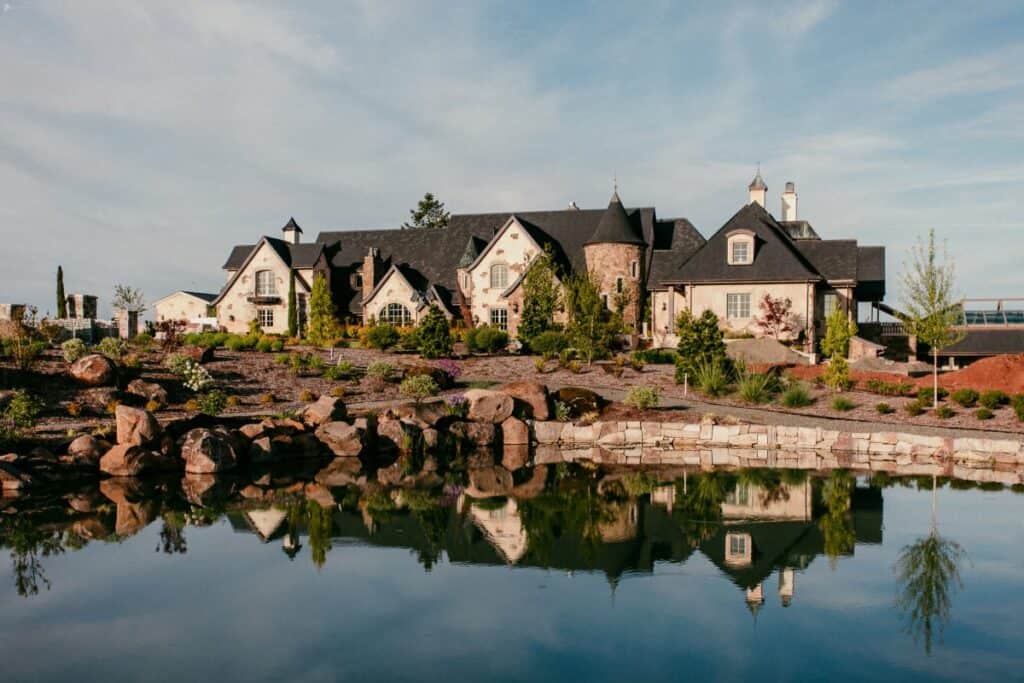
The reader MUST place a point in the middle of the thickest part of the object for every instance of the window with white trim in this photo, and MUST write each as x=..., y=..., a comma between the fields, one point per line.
x=737, y=306
x=737, y=544
x=265, y=317
x=266, y=284
x=396, y=314
x=740, y=252
x=499, y=318
x=831, y=303
x=499, y=275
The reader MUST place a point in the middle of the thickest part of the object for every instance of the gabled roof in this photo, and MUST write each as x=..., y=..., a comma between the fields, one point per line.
x=615, y=226
x=205, y=296
x=836, y=260
x=290, y=254
x=776, y=257
x=412, y=278
x=675, y=241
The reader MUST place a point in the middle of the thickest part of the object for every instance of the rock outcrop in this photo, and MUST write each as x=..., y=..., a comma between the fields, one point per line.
x=533, y=396
x=207, y=451
x=343, y=439
x=489, y=406
x=93, y=370
x=136, y=426
x=147, y=391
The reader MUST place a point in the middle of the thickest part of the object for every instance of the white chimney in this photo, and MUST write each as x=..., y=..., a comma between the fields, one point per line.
x=573, y=207
x=789, y=202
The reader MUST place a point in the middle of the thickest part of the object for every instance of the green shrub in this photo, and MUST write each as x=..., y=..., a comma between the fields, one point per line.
x=711, y=377
x=984, y=414
x=73, y=349
x=267, y=344
x=837, y=374
x=993, y=398
x=967, y=398
x=1018, y=406
x=842, y=404
x=380, y=370
x=22, y=410
x=418, y=387
x=756, y=387
x=656, y=356
x=210, y=340
x=877, y=386
x=642, y=398
x=884, y=408
x=944, y=412
x=240, y=342
x=212, y=403
x=382, y=336
x=913, y=408
x=486, y=339
x=549, y=343
x=343, y=370
x=796, y=396
x=926, y=394
x=112, y=347
x=434, y=335
x=177, y=363
x=143, y=340
x=195, y=376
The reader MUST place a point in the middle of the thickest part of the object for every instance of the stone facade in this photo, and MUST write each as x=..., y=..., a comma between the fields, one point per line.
x=512, y=250
x=619, y=269
x=180, y=306
x=240, y=304
x=393, y=289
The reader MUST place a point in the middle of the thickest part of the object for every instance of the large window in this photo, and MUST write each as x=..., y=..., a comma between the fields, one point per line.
x=265, y=316
x=737, y=544
x=741, y=251
x=265, y=283
x=499, y=318
x=396, y=314
x=499, y=275
x=831, y=303
x=737, y=306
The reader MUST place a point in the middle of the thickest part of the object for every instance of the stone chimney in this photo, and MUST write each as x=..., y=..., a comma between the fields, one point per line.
x=758, y=190
x=372, y=266
x=789, y=202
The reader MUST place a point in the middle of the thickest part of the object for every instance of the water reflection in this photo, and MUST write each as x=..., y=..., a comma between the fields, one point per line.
x=749, y=524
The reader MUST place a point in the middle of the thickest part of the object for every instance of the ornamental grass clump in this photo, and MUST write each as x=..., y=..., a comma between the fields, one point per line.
x=913, y=409
x=642, y=398
x=796, y=396
x=944, y=412
x=112, y=347
x=380, y=370
x=711, y=378
x=884, y=408
x=22, y=411
x=984, y=414
x=755, y=387
x=73, y=349
x=966, y=398
x=842, y=404
x=212, y=403
x=993, y=398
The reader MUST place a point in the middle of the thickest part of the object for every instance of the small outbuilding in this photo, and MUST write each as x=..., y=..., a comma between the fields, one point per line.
x=183, y=305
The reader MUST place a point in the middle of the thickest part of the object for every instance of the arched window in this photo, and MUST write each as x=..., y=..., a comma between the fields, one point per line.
x=265, y=284
x=396, y=314
x=499, y=275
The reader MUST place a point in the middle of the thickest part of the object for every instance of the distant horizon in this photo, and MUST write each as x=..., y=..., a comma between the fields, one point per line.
x=138, y=144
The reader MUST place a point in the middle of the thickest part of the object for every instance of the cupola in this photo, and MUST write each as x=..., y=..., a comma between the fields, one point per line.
x=292, y=231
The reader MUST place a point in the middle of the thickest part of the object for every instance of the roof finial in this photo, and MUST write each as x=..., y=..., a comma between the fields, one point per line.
x=615, y=182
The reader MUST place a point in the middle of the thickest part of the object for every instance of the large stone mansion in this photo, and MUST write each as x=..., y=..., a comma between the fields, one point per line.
x=473, y=269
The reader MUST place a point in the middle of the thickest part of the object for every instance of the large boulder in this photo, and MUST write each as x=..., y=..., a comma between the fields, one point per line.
x=93, y=370
x=340, y=472
x=489, y=406
x=12, y=478
x=395, y=433
x=200, y=354
x=130, y=460
x=514, y=432
x=135, y=426
x=423, y=415
x=147, y=391
x=325, y=409
x=478, y=433
x=515, y=456
x=579, y=400
x=86, y=450
x=533, y=396
x=207, y=451
x=487, y=482
x=342, y=438
x=135, y=508
x=204, y=490
x=98, y=398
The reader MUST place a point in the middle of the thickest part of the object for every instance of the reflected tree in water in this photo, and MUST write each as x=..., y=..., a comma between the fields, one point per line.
x=698, y=503
x=928, y=576
x=319, y=523
x=837, y=524
x=30, y=543
x=172, y=534
x=433, y=520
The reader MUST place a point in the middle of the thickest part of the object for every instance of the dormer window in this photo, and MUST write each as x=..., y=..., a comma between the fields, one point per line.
x=741, y=248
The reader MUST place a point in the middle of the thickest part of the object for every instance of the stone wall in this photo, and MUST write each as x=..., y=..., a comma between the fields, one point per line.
x=748, y=445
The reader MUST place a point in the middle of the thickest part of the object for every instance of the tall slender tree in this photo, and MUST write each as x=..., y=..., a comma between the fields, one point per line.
x=324, y=328
x=931, y=310
x=429, y=213
x=293, y=313
x=62, y=301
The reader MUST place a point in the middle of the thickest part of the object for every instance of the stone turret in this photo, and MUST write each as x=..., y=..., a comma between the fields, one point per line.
x=615, y=256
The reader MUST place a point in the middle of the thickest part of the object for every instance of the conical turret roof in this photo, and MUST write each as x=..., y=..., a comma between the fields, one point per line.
x=758, y=182
x=291, y=225
x=615, y=226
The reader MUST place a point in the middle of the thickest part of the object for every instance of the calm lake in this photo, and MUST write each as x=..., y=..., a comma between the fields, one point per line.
x=602, y=575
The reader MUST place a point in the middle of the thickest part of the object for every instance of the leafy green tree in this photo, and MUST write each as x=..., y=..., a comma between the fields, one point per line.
x=128, y=299
x=589, y=318
x=541, y=297
x=324, y=328
x=62, y=301
x=429, y=213
x=433, y=334
x=700, y=341
x=931, y=311
x=293, y=311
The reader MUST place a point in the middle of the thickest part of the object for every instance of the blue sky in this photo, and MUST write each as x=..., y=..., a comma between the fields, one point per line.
x=140, y=141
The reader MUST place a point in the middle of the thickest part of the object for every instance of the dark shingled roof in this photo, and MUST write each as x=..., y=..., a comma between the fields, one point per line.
x=205, y=296
x=988, y=342
x=800, y=230
x=776, y=257
x=295, y=255
x=436, y=253
x=836, y=260
x=615, y=227
x=291, y=225
x=675, y=241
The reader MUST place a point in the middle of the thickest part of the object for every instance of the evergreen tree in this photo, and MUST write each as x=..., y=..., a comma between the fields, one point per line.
x=433, y=335
x=62, y=301
x=293, y=313
x=589, y=318
x=931, y=311
x=700, y=341
x=541, y=297
x=323, y=322
x=429, y=213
